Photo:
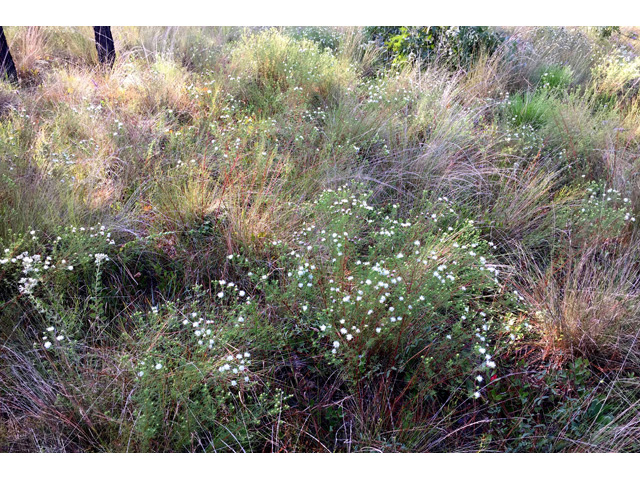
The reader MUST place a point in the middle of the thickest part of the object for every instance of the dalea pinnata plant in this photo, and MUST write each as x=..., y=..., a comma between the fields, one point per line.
x=596, y=213
x=196, y=386
x=45, y=273
x=418, y=297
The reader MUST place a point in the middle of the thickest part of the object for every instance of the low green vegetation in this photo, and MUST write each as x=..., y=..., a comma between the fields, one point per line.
x=382, y=239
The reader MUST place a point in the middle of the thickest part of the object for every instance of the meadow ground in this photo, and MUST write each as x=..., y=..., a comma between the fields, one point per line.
x=321, y=239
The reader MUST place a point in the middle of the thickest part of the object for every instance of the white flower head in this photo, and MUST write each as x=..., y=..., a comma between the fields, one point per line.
x=100, y=257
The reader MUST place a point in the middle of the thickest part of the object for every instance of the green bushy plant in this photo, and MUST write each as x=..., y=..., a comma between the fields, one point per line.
x=561, y=405
x=607, y=31
x=196, y=387
x=51, y=274
x=457, y=45
x=411, y=303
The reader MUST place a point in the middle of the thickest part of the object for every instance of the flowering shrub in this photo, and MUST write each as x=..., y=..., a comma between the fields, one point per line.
x=371, y=293
x=325, y=37
x=417, y=296
x=196, y=386
x=45, y=272
x=603, y=212
x=591, y=214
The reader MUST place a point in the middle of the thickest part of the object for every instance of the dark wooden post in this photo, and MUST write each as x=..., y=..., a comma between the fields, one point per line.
x=104, y=45
x=7, y=67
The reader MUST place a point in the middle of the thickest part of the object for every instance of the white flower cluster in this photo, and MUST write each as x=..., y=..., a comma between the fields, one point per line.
x=233, y=288
x=100, y=257
x=236, y=367
x=55, y=337
x=201, y=329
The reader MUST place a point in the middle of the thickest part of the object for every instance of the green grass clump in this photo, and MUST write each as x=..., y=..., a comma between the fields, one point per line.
x=529, y=109
x=555, y=77
x=271, y=69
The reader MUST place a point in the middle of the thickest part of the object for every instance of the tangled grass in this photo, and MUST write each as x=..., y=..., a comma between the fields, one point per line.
x=272, y=240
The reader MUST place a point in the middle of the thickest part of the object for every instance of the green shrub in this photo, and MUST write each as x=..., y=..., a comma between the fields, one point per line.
x=196, y=387
x=458, y=46
x=54, y=274
x=392, y=300
x=607, y=31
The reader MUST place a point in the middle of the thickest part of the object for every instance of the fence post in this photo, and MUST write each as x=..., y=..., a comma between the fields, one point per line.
x=7, y=67
x=104, y=45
